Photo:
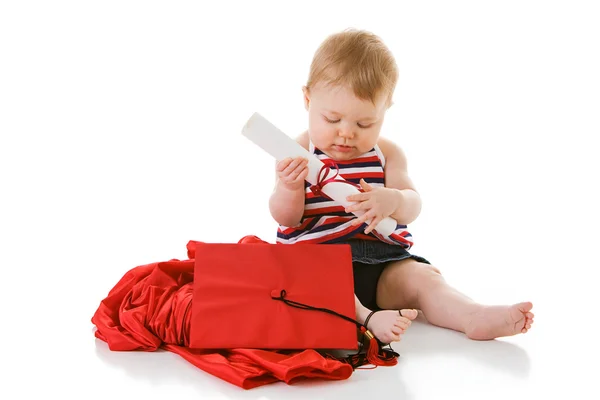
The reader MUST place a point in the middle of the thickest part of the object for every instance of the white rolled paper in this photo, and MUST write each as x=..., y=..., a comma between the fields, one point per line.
x=275, y=142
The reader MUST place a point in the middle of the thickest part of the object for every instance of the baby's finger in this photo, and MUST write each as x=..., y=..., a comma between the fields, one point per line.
x=358, y=197
x=351, y=208
x=281, y=165
x=294, y=175
x=362, y=219
x=292, y=166
x=359, y=221
x=373, y=224
x=366, y=187
x=363, y=205
x=370, y=216
x=303, y=174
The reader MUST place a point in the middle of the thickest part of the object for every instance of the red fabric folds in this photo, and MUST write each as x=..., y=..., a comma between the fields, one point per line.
x=150, y=308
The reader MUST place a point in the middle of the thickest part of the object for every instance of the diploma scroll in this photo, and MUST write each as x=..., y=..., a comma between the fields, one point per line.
x=275, y=142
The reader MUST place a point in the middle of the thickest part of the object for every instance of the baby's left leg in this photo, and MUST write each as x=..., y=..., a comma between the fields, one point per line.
x=411, y=284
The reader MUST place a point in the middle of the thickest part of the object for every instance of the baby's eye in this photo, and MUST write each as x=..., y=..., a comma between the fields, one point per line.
x=363, y=126
x=331, y=121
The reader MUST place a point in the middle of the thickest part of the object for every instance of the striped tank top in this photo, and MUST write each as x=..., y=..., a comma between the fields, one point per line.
x=326, y=221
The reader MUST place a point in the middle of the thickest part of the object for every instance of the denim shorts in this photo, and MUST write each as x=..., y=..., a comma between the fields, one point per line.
x=369, y=258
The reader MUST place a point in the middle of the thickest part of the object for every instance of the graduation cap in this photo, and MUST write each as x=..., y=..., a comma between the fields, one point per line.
x=253, y=294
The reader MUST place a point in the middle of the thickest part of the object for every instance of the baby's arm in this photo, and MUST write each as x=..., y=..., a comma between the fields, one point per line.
x=396, y=177
x=286, y=203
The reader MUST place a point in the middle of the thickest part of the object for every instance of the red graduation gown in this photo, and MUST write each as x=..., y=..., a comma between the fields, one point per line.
x=149, y=308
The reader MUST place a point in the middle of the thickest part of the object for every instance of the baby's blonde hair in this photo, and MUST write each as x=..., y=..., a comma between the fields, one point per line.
x=357, y=59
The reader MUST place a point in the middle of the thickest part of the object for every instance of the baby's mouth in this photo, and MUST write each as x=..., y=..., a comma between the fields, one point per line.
x=342, y=146
x=342, y=149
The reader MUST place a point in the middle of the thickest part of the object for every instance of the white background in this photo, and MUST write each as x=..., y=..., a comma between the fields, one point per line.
x=120, y=141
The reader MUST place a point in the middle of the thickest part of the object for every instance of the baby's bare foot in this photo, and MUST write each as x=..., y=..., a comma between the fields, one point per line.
x=495, y=321
x=388, y=325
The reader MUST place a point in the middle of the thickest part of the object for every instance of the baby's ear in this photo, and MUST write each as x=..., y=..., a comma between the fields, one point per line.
x=306, y=97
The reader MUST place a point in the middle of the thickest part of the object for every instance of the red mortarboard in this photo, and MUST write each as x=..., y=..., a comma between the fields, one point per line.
x=262, y=295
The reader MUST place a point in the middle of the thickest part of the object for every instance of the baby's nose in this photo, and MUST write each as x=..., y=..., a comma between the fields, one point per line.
x=346, y=133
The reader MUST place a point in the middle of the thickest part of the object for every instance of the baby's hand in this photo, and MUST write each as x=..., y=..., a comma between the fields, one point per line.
x=377, y=204
x=292, y=172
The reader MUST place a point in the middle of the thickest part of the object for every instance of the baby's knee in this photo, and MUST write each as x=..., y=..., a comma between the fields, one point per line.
x=431, y=269
x=426, y=275
x=412, y=269
x=426, y=272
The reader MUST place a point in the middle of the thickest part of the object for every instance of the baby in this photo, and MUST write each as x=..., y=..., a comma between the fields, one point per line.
x=352, y=79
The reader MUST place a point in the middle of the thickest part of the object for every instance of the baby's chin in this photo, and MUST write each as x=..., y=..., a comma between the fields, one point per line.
x=338, y=155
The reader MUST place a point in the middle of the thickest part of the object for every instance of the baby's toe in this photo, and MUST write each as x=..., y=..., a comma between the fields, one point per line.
x=403, y=322
x=409, y=313
x=401, y=328
x=397, y=330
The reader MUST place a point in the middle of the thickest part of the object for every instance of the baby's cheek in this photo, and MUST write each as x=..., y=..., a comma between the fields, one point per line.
x=320, y=136
x=366, y=144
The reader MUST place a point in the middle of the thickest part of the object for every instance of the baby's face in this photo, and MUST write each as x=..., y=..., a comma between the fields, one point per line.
x=340, y=124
